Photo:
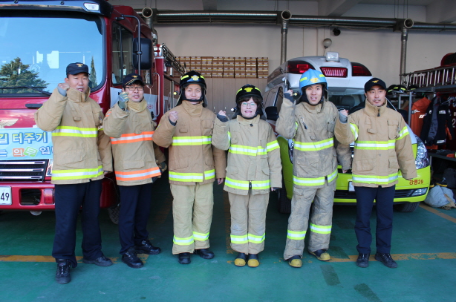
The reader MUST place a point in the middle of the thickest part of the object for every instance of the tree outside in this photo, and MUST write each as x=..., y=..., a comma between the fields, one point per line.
x=93, y=75
x=16, y=74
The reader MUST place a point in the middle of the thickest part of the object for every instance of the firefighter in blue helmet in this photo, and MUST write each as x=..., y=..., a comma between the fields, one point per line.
x=310, y=123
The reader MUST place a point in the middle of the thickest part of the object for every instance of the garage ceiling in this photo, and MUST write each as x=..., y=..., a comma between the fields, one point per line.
x=437, y=11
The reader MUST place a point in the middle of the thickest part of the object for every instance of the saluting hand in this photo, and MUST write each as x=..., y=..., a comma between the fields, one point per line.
x=173, y=116
x=222, y=113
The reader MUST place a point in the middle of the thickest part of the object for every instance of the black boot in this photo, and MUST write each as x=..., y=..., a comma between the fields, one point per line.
x=62, y=275
x=131, y=259
x=363, y=260
x=386, y=259
x=205, y=253
x=147, y=248
x=184, y=258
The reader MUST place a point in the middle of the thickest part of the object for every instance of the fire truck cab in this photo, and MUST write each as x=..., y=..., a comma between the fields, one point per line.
x=39, y=39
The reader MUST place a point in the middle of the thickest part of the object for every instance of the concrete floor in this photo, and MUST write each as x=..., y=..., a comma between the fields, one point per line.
x=424, y=245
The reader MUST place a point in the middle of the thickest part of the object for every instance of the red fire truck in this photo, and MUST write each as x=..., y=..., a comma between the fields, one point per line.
x=39, y=39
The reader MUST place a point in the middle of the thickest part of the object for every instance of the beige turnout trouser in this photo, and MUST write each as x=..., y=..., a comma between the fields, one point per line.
x=320, y=222
x=248, y=222
x=192, y=213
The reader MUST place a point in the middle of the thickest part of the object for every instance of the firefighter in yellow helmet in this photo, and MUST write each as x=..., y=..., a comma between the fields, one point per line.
x=310, y=123
x=193, y=166
x=254, y=168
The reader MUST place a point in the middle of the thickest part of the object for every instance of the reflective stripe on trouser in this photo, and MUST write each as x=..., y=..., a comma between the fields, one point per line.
x=192, y=213
x=248, y=222
x=319, y=228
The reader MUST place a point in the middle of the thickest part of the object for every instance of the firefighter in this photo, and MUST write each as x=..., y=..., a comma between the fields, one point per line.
x=81, y=153
x=310, y=123
x=130, y=126
x=193, y=166
x=253, y=168
x=382, y=146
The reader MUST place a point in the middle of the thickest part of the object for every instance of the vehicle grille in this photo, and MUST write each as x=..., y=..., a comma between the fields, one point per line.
x=344, y=194
x=23, y=170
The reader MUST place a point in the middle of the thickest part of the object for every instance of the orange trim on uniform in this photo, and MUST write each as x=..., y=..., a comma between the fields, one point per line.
x=138, y=175
x=132, y=138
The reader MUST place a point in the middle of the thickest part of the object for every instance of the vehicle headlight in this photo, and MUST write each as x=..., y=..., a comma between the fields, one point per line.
x=419, y=192
x=290, y=149
x=49, y=168
x=421, y=160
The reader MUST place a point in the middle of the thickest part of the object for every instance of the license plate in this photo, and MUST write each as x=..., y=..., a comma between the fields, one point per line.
x=5, y=196
x=351, y=188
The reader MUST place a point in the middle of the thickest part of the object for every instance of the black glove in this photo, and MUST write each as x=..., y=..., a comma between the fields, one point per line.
x=222, y=118
x=288, y=97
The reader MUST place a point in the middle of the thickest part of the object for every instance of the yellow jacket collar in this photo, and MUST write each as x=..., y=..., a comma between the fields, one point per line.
x=137, y=106
x=374, y=110
x=245, y=121
x=191, y=109
x=313, y=109
x=78, y=96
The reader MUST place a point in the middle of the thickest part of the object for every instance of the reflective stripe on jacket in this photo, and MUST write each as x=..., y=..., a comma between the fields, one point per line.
x=192, y=159
x=81, y=149
x=315, y=153
x=253, y=155
x=132, y=147
x=382, y=146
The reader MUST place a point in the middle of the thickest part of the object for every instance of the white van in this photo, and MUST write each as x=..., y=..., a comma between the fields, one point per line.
x=345, y=89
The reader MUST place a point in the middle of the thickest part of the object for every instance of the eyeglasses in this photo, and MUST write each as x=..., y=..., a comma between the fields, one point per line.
x=133, y=88
x=248, y=105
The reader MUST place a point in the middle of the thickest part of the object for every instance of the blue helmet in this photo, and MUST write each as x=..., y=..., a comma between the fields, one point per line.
x=312, y=77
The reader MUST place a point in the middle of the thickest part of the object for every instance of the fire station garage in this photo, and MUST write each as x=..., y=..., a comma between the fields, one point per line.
x=372, y=82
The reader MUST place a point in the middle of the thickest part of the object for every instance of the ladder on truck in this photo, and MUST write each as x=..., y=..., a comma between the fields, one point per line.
x=170, y=58
x=437, y=79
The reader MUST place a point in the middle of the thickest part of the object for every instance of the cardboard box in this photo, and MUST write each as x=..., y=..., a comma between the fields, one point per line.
x=239, y=60
x=217, y=74
x=251, y=75
x=206, y=60
x=239, y=75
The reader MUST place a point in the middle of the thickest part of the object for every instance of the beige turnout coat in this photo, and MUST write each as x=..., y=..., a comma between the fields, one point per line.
x=315, y=153
x=192, y=159
x=253, y=155
x=81, y=150
x=382, y=146
x=131, y=135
